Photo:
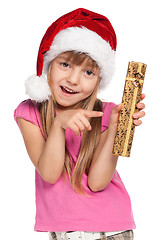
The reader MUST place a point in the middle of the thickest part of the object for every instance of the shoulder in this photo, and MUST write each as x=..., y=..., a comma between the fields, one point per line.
x=28, y=110
x=107, y=107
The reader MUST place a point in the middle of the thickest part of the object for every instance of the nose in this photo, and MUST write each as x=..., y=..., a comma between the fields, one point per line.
x=74, y=76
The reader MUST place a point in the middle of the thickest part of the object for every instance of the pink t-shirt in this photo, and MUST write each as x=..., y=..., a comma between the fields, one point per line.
x=59, y=208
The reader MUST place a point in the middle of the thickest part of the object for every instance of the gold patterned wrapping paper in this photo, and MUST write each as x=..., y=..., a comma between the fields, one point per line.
x=131, y=96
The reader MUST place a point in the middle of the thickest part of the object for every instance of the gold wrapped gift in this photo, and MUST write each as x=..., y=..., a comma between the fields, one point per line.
x=131, y=96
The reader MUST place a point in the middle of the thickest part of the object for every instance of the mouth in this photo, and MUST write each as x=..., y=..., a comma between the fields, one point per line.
x=67, y=90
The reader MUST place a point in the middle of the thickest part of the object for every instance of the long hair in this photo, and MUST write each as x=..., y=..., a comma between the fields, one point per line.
x=89, y=139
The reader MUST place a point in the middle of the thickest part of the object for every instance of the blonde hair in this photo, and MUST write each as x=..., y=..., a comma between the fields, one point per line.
x=89, y=139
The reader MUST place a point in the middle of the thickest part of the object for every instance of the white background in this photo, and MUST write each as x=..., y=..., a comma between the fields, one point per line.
x=23, y=23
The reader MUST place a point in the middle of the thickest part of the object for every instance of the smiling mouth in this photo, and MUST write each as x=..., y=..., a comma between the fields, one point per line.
x=67, y=90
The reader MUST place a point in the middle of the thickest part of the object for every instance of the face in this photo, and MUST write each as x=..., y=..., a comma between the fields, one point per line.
x=70, y=83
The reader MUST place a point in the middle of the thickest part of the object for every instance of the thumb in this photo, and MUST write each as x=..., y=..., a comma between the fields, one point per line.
x=117, y=108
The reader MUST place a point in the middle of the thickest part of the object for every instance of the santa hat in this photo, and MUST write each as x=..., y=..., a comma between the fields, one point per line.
x=80, y=30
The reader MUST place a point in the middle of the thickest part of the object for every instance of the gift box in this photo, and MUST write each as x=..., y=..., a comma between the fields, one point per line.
x=131, y=96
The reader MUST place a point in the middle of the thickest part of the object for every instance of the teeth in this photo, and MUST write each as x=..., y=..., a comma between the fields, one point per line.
x=68, y=90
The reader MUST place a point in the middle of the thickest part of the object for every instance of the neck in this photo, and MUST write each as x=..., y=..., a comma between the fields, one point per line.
x=60, y=108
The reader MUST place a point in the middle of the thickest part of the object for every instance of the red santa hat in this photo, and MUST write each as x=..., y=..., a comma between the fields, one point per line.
x=80, y=30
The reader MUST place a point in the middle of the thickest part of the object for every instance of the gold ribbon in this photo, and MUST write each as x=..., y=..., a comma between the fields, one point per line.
x=134, y=79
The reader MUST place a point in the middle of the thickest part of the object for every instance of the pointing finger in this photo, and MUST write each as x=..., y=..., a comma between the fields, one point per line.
x=89, y=113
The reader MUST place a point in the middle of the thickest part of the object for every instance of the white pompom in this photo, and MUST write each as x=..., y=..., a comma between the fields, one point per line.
x=37, y=88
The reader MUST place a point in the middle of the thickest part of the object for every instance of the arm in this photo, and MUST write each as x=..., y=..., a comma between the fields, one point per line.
x=47, y=157
x=104, y=162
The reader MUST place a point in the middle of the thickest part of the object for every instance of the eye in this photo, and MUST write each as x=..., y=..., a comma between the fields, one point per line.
x=89, y=73
x=65, y=64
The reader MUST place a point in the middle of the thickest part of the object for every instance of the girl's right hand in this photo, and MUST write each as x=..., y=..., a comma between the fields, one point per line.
x=76, y=119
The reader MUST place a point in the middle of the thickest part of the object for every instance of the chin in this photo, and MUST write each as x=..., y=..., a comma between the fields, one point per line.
x=65, y=104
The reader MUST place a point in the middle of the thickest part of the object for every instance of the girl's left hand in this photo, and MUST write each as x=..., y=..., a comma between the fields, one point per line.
x=116, y=111
x=139, y=114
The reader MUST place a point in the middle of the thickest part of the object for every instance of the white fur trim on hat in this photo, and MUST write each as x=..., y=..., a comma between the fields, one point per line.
x=87, y=41
x=37, y=88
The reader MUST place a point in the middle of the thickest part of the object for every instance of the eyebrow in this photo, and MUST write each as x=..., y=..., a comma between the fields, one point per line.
x=62, y=57
x=89, y=66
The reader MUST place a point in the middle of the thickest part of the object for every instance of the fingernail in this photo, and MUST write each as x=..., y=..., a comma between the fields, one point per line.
x=89, y=128
x=120, y=105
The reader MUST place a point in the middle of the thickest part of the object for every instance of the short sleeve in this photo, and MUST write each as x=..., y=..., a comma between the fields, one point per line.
x=107, y=107
x=28, y=110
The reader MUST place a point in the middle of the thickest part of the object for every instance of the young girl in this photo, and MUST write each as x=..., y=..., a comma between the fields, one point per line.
x=69, y=133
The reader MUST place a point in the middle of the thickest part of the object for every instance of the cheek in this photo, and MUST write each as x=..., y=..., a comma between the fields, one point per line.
x=88, y=87
x=52, y=79
x=52, y=76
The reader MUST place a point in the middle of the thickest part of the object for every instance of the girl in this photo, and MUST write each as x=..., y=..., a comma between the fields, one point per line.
x=69, y=133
